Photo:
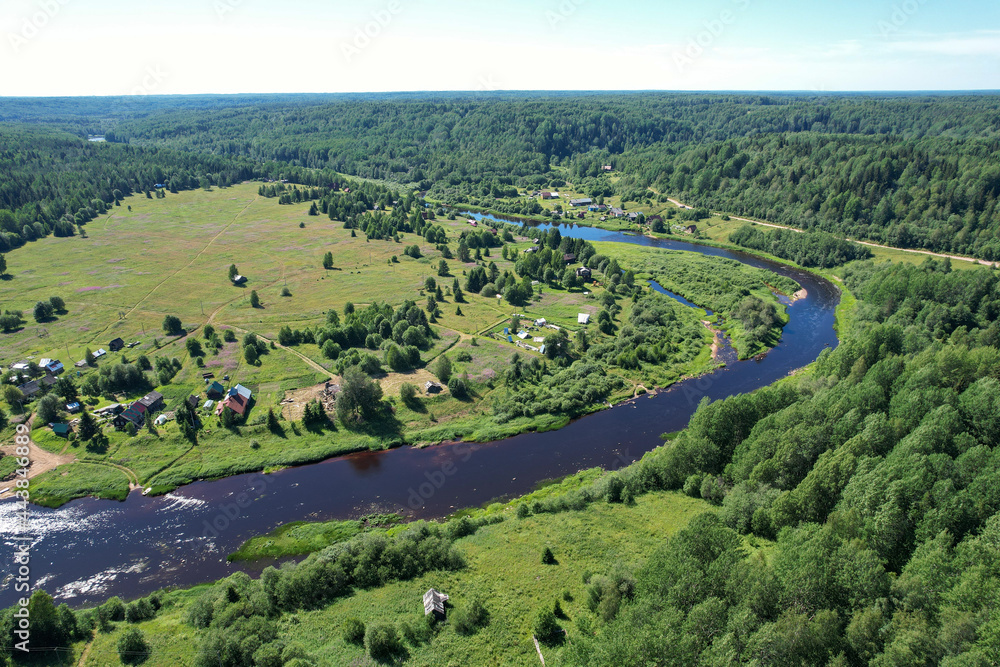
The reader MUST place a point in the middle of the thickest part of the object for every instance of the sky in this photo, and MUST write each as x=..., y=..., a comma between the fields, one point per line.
x=136, y=47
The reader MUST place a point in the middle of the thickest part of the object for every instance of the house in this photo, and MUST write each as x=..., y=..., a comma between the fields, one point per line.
x=20, y=367
x=540, y=322
x=580, y=215
x=545, y=195
x=654, y=218
x=29, y=389
x=62, y=430
x=583, y=272
x=569, y=258
x=581, y=202
x=691, y=229
x=522, y=334
x=617, y=212
x=192, y=401
x=100, y=353
x=237, y=400
x=51, y=366
x=215, y=390
x=593, y=208
x=73, y=407
x=432, y=387
x=583, y=318
x=134, y=415
x=531, y=250
x=116, y=344
x=607, y=167
x=48, y=380
x=633, y=216
x=152, y=402
x=239, y=280
x=434, y=604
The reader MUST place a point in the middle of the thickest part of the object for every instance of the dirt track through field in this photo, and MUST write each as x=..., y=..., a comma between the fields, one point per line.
x=42, y=461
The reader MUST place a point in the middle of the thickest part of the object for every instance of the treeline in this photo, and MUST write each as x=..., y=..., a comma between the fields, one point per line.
x=54, y=183
x=876, y=477
x=936, y=192
x=805, y=249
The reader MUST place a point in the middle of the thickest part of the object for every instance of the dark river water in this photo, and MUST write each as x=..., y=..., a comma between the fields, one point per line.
x=91, y=549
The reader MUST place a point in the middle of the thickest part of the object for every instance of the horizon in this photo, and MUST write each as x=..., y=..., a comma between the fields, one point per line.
x=242, y=47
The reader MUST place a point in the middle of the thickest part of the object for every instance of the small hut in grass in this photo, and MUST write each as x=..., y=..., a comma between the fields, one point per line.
x=434, y=604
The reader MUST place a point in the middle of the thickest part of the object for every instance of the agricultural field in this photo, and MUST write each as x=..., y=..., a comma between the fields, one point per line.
x=151, y=258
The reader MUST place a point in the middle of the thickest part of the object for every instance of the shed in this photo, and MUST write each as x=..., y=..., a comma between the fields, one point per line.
x=192, y=401
x=208, y=404
x=583, y=318
x=116, y=344
x=73, y=407
x=434, y=603
x=62, y=430
x=583, y=272
x=239, y=280
x=432, y=387
x=215, y=390
x=540, y=322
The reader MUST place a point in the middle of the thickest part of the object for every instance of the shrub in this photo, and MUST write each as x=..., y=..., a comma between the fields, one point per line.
x=407, y=392
x=382, y=642
x=546, y=627
x=469, y=619
x=132, y=647
x=354, y=631
x=548, y=558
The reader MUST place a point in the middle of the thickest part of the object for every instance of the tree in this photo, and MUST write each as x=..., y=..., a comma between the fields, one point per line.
x=272, y=421
x=360, y=397
x=88, y=356
x=442, y=268
x=442, y=368
x=328, y=261
x=547, y=557
x=569, y=278
x=172, y=325
x=250, y=354
x=254, y=299
x=132, y=647
x=233, y=271
x=209, y=331
x=3, y=265
x=193, y=347
x=66, y=389
x=12, y=395
x=43, y=311
x=408, y=393
x=57, y=304
x=87, y=427
x=48, y=408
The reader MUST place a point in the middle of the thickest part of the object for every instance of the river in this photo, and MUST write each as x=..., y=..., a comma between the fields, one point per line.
x=91, y=549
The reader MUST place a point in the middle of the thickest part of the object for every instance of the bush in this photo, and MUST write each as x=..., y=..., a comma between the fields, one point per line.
x=469, y=619
x=382, y=642
x=546, y=627
x=548, y=558
x=172, y=325
x=458, y=388
x=132, y=647
x=354, y=631
x=407, y=392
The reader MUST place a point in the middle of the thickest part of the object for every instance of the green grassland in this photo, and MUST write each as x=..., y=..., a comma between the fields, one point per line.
x=149, y=258
x=503, y=568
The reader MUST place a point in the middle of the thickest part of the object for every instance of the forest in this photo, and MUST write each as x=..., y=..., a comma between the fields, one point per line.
x=905, y=170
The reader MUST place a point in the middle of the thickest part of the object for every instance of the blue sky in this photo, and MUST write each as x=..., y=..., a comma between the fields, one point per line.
x=118, y=47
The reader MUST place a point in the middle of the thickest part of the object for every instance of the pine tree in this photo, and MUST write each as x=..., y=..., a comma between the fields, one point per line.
x=88, y=426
